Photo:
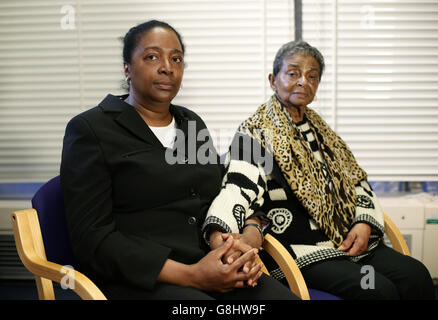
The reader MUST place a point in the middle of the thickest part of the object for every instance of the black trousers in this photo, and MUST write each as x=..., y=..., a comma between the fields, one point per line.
x=267, y=289
x=383, y=275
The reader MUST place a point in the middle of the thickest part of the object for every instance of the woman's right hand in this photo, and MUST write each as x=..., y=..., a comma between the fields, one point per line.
x=212, y=274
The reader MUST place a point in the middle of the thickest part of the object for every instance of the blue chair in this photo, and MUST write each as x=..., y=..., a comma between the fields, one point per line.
x=321, y=295
x=49, y=204
x=43, y=244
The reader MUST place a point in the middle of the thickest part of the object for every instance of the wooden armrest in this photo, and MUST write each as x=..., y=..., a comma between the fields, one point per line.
x=396, y=238
x=287, y=264
x=30, y=248
x=264, y=270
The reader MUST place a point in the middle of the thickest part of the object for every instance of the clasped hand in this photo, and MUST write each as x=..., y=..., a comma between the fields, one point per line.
x=238, y=258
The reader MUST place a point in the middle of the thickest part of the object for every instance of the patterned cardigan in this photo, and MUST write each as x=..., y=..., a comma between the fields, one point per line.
x=247, y=191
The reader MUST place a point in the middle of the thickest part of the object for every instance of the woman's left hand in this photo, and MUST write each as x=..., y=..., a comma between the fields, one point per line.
x=241, y=245
x=357, y=239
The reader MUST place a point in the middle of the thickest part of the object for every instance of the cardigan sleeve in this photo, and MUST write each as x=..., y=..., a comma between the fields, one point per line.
x=368, y=209
x=243, y=187
x=100, y=249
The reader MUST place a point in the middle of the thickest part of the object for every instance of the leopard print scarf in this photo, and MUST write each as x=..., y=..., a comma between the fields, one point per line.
x=332, y=206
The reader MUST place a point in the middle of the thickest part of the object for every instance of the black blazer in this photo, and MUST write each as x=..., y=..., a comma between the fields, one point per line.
x=127, y=209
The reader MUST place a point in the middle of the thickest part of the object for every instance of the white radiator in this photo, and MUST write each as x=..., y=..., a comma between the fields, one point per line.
x=408, y=216
x=417, y=218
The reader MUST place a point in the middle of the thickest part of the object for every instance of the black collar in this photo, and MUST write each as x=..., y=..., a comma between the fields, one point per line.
x=130, y=119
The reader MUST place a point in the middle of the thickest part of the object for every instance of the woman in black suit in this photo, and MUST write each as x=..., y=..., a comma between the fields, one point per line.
x=134, y=216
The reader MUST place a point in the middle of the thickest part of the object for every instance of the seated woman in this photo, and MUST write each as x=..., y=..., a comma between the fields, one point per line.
x=134, y=219
x=286, y=162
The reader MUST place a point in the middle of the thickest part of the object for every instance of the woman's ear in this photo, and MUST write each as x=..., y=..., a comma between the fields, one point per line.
x=127, y=70
x=271, y=78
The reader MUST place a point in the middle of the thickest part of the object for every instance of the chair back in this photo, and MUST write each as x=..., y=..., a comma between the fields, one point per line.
x=48, y=201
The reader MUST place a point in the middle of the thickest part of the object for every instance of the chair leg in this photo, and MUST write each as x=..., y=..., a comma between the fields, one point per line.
x=45, y=288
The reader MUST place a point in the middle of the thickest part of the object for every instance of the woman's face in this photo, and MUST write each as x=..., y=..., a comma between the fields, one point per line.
x=157, y=66
x=297, y=81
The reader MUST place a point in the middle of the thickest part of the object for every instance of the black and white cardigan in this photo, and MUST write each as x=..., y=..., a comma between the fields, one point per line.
x=248, y=191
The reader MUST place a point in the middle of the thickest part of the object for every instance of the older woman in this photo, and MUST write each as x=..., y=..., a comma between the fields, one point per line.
x=315, y=195
x=134, y=219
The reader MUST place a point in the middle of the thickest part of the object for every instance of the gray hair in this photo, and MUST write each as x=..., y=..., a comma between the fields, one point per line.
x=297, y=47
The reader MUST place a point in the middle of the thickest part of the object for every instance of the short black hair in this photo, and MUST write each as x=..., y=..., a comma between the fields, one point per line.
x=131, y=38
x=298, y=47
